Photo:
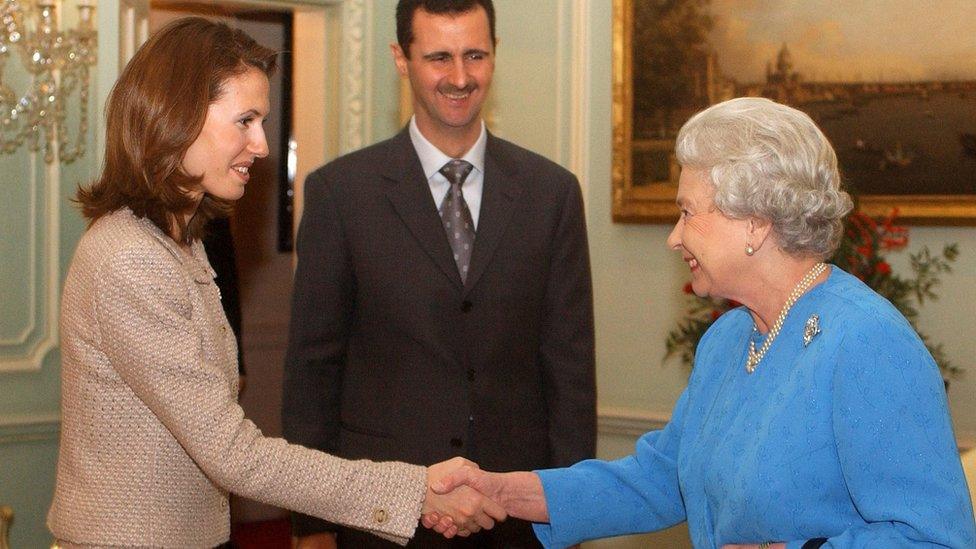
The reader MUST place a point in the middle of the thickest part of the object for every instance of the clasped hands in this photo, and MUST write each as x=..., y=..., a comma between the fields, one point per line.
x=454, y=509
x=462, y=499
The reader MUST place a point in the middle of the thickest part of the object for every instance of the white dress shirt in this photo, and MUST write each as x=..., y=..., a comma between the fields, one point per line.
x=433, y=159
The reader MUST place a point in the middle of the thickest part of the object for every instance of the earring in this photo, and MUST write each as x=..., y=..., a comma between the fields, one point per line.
x=750, y=250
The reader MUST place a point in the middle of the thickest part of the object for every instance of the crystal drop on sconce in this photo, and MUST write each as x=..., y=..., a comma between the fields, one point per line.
x=59, y=64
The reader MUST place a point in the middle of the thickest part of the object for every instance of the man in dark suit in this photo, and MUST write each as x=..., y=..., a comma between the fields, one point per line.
x=443, y=302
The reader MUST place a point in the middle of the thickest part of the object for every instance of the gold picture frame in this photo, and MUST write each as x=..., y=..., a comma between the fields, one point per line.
x=648, y=196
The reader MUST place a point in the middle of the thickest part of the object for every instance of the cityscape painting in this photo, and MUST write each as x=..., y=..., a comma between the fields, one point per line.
x=892, y=84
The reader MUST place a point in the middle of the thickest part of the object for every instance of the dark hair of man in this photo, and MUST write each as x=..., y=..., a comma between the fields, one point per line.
x=406, y=8
x=156, y=110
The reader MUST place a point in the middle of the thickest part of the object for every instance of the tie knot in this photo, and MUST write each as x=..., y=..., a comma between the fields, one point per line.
x=456, y=171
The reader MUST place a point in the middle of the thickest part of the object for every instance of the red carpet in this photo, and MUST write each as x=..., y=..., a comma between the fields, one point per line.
x=269, y=534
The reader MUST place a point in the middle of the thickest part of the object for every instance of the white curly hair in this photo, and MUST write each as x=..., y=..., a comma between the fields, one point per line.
x=770, y=161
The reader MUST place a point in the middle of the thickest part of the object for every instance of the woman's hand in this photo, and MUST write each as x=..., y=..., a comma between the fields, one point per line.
x=519, y=493
x=462, y=509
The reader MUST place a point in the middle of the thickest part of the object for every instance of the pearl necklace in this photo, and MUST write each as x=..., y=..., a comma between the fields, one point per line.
x=798, y=290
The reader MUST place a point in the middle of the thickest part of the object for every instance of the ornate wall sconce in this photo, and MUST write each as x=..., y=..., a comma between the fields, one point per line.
x=58, y=64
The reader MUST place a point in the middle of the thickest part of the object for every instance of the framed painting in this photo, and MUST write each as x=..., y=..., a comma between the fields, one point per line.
x=898, y=106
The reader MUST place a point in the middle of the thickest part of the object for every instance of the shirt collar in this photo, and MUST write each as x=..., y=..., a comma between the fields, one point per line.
x=432, y=159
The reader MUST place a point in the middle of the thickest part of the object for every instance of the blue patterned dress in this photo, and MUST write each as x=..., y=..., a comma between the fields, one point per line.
x=847, y=438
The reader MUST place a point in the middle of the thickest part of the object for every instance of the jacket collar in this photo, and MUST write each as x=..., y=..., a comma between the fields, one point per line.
x=410, y=196
x=194, y=261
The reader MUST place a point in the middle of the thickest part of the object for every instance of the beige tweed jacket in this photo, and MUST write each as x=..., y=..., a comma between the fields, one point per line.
x=152, y=437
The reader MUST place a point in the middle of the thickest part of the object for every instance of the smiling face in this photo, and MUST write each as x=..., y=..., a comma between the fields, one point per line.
x=711, y=243
x=231, y=138
x=450, y=66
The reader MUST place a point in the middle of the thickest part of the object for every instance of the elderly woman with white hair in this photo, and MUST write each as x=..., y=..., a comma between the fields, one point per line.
x=814, y=417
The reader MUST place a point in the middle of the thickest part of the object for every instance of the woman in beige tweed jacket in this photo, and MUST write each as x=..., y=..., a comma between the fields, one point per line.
x=152, y=436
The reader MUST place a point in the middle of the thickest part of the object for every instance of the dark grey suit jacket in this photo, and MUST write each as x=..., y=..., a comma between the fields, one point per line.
x=391, y=358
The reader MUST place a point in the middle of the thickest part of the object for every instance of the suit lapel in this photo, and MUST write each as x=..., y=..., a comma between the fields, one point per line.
x=498, y=202
x=412, y=201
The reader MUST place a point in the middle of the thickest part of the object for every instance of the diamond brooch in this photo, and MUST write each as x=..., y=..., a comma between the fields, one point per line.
x=811, y=329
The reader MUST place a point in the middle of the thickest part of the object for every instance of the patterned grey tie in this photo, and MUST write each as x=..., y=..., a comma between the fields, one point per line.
x=456, y=216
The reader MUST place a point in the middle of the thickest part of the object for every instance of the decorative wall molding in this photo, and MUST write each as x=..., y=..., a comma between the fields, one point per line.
x=356, y=72
x=15, y=429
x=133, y=28
x=572, y=88
x=44, y=273
x=562, y=67
x=32, y=242
x=633, y=422
x=579, y=146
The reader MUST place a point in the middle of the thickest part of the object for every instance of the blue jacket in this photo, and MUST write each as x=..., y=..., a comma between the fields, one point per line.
x=847, y=438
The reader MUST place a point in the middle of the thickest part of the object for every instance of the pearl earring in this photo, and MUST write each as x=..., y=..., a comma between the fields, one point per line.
x=750, y=250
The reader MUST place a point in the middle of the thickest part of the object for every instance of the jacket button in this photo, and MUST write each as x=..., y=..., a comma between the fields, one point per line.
x=379, y=515
x=466, y=306
x=456, y=442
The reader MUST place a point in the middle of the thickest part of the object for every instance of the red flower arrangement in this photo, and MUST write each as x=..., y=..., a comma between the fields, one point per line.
x=861, y=253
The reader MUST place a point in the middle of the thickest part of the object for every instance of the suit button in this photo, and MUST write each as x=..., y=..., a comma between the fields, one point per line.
x=379, y=515
x=466, y=306
x=470, y=375
x=456, y=442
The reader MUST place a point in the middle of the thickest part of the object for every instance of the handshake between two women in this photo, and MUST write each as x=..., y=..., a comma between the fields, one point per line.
x=462, y=499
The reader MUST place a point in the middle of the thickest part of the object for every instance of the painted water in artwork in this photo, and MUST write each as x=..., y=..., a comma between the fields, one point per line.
x=892, y=83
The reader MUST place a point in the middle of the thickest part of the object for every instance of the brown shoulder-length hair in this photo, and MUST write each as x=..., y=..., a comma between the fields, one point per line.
x=155, y=112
